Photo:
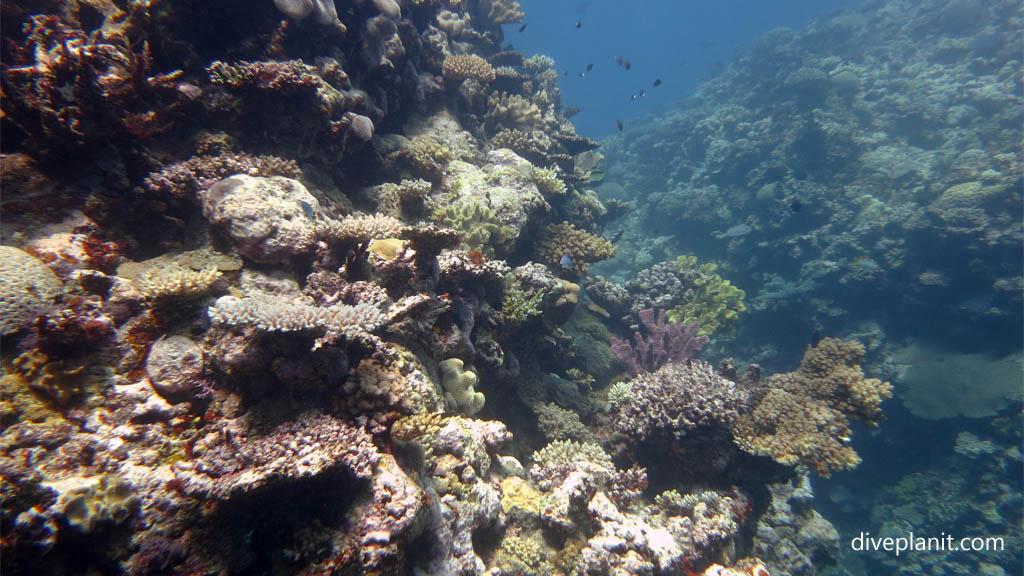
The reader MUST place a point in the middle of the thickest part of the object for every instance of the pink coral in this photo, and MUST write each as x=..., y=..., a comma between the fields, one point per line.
x=664, y=343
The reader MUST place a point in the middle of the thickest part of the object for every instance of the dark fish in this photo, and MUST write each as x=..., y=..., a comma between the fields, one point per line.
x=623, y=62
x=579, y=24
x=523, y=27
x=627, y=65
x=642, y=92
x=566, y=73
x=796, y=206
x=618, y=125
x=615, y=236
x=633, y=96
x=657, y=82
x=590, y=67
x=580, y=75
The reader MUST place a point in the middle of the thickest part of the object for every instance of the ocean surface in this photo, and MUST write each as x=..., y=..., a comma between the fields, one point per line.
x=487, y=287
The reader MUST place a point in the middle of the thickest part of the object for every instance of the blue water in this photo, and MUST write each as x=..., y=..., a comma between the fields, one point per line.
x=677, y=41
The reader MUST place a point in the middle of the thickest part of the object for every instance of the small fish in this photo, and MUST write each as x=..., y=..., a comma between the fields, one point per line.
x=523, y=27
x=633, y=96
x=565, y=73
x=590, y=67
x=566, y=261
x=618, y=125
x=616, y=236
x=581, y=75
x=657, y=82
x=307, y=209
x=579, y=24
x=642, y=92
x=619, y=60
x=796, y=206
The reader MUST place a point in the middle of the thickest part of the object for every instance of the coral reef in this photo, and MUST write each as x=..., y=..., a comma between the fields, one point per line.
x=27, y=289
x=459, y=386
x=677, y=398
x=582, y=247
x=664, y=342
x=803, y=416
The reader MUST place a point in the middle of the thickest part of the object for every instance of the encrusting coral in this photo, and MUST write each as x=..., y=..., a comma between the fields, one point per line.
x=27, y=288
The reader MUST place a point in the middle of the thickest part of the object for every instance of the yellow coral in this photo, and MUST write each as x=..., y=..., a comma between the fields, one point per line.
x=802, y=419
x=548, y=182
x=511, y=111
x=580, y=246
x=463, y=66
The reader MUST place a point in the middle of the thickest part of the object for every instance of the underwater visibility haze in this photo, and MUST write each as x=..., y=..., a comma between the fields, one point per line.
x=487, y=287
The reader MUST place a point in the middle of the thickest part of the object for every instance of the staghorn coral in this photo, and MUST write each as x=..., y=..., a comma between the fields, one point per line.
x=664, y=343
x=199, y=173
x=678, y=398
x=459, y=67
x=582, y=247
x=425, y=156
x=27, y=289
x=803, y=416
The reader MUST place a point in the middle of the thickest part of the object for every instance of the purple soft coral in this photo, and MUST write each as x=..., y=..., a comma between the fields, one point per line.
x=664, y=343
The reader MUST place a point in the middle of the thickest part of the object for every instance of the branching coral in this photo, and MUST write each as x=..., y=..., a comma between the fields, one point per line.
x=678, y=398
x=359, y=229
x=580, y=246
x=390, y=198
x=664, y=343
x=64, y=87
x=511, y=111
x=460, y=67
x=716, y=303
x=500, y=11
x=548, y=182
x=478, y=226
x=802, y=417
x=199, y=173
x=273, y=314
x=160, y=282
x=518, y=305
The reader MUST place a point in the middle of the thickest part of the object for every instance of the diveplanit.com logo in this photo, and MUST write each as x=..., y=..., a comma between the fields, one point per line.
x=865, y=542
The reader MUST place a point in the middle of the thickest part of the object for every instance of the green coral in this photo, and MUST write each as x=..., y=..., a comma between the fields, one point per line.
x=716, y=304
x=519, y=305
x=478, y=226
x=459, y=387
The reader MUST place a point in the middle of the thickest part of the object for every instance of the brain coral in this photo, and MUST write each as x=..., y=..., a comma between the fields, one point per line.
x=27, y=287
